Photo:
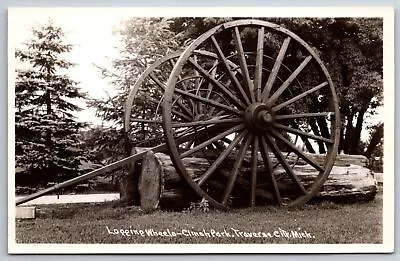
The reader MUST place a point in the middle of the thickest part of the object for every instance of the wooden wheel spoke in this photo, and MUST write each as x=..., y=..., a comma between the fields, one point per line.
x=182, y=82
x=189, y=144
x=221, y=158
x=275, y=69
x=146, y=120
x=183, y=132
x=213, y=139
x=227, y=84
x=302, y=133
x=213, y=73
x=289, y=80
x=185, y=109
x=229, y=71
x=172, y=63
x=197, y=82
x=188, y=135
x=174, y=112
x=151, y=99
x=285, y=164
x=207, y=101
x=248, y=105
x=254, y=163
x=212, y=109
x=243, y=64
x=216, y=83
x=235, y=169
x=218, y=120
x=270, y=171
x=157, y=81
x=259, y=62
x=303, y=115
x=296, y=150
x=191, y=133
x=162, y=86
x=298, y=97
x=181, y=115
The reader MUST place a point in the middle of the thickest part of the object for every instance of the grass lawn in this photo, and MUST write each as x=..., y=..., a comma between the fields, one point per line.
x=322, y=223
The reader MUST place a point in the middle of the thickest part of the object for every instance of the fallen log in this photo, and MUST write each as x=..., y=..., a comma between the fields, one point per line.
x=129, y=194
x=161, y=186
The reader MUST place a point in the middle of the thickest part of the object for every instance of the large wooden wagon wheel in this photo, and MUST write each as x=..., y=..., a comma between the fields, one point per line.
x=255, y=110
x=143, y=113
x=144, y=102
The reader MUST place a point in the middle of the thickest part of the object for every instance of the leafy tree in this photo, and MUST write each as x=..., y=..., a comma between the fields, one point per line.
x=46, y=132
x=143, y=40
x=374, y=151
x=351, y=49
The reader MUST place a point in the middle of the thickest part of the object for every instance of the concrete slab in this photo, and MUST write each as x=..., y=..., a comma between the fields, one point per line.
x=65, y=199
x=379, y=177
x=25, y=212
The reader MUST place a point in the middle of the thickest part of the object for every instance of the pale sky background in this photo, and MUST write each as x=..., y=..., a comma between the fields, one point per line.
x=91, y=34
x=90, y=31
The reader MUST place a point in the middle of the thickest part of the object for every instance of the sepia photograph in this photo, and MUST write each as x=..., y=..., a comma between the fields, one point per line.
x=250, y=130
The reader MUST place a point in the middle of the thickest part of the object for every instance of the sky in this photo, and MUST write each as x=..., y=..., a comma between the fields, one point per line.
x=91, y=34
x=90, y=31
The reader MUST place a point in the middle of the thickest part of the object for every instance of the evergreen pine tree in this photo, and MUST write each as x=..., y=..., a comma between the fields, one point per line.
x=46, y=132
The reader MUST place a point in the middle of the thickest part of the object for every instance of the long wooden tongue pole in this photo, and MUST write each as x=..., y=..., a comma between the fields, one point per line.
x=91, y=174
x=184, y=137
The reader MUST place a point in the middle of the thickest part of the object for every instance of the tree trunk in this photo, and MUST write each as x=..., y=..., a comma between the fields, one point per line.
x=127, y=144
x=341, y=140
x=48, y=112
x=323, y=127
x=307, y=143
x=315, y=129
x=161, y=186
x=355, y=141
x=376, y=138
x=51, y=168
x=349, y=133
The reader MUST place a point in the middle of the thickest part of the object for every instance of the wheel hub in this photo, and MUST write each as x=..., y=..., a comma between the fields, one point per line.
x=259, y=117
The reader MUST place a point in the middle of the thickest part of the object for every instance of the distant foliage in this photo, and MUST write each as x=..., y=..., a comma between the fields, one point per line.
x=351, y=49
x=46, y=132
x=374, y=151
x=143, y=41
x=101, y=151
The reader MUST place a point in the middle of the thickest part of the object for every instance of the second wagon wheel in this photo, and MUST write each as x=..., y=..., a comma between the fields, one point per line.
x=144, y=103
x=257, y=109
